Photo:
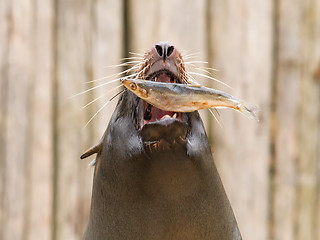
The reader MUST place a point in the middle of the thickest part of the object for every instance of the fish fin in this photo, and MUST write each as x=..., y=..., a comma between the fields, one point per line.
x=249, y=110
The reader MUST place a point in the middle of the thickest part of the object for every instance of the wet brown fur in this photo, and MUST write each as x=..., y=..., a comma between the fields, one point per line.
x=168, y=189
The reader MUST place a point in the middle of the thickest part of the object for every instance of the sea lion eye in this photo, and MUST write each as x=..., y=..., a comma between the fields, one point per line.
x=133, y=86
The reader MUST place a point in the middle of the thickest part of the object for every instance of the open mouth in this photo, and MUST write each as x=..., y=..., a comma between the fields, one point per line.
x=151, y=113
x=163, y=123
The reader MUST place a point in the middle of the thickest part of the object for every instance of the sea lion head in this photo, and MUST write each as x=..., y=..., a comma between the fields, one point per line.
x=152, y=129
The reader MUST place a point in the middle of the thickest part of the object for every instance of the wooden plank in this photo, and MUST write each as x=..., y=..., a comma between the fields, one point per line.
x=107, y=50
x=308, y=121
x=18, y=78
x=154, y=21
x=4, y=47
x=72, y=70
x=242, y=52
x=297, y=120
x=40, y=160
x=88, y=39
x=26, y=188
x=288, y=77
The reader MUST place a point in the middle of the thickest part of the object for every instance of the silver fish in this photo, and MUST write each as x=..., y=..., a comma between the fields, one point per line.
x=186, y=98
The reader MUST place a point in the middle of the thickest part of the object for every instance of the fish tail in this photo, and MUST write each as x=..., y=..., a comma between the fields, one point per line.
x=249, y=110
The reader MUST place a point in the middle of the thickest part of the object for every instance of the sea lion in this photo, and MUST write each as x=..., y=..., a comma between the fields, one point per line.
x=156, y=179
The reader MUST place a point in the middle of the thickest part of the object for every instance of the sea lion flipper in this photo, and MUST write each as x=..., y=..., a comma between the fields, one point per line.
x=95, y=149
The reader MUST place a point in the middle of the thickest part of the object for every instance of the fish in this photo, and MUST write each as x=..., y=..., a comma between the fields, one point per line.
x=179, y=97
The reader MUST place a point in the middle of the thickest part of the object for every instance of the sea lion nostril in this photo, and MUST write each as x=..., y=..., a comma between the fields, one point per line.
x=164, y=49
x=159, y=50
x=170, y=50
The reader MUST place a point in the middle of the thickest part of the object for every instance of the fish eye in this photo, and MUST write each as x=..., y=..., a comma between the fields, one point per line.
x=133, y=86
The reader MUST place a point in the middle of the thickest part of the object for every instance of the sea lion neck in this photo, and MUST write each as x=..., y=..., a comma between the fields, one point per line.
x=122, y=136
x=170, y=194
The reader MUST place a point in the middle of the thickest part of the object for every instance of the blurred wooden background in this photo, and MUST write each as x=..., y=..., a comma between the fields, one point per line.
x=267, y=50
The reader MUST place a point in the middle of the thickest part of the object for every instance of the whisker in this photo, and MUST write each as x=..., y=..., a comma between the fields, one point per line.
x=190, y=53
x=192, y=79
x=210, y=110
x=208, y=68
x=203, y=68
x=190, y=76
x=141, y=51
x=132, y=68
x=185, y=51
x=123, y=64
x=206, y=76
x=138, y=73
x=102, y=78
x=101, y=96
x=190, y=62
x=216, y=110
x=197, y=68
x=131, y=58
x=139, y=54
x=103, y=107
x=192, y=57
x=90, y=89
x=111, y=76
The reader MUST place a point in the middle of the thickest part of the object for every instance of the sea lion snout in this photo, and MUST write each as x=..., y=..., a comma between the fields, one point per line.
x=162, y=57
x=164, y=49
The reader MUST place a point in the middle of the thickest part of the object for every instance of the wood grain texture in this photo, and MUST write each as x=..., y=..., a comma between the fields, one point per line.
x=242, y=52
x=85, y=46
x=40, y=153
x=16, y=134
x=308, y=126
x=4, y=48
x=268, y=51
x=73, y=69
x=107, y=46
x=26, y=182
x=297, y=120
x=155, y=21
x=287, y=95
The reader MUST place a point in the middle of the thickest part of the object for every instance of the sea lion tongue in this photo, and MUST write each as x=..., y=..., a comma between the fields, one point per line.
x=163, y=77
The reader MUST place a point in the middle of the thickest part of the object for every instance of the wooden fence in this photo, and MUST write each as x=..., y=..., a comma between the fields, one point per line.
x=267, y=50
